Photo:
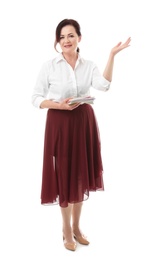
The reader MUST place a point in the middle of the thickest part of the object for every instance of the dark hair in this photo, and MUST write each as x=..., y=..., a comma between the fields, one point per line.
x=63, y=23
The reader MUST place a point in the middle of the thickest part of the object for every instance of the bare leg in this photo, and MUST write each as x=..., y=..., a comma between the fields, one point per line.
x=67, y=230
x=76, y=213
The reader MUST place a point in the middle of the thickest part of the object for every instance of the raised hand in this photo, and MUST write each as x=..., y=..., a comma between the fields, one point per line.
x=120, y=46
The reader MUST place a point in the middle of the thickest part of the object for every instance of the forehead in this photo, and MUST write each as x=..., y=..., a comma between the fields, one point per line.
x=67, y=29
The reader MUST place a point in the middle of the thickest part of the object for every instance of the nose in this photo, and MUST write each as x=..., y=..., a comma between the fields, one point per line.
x=67, y=39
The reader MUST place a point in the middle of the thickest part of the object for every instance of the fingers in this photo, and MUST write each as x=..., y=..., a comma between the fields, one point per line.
x=71, y=107
x=118, y=44
x=128, y=41
x=64, y=105
x=125, y=44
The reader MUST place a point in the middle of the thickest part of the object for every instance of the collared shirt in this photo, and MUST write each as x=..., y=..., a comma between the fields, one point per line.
x=57, y=80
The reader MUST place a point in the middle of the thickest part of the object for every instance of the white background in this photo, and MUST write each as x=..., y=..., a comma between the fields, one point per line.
x=125, y=221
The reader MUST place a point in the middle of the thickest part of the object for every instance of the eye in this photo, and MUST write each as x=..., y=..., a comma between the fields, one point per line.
x=71, y=36
x=61, y=37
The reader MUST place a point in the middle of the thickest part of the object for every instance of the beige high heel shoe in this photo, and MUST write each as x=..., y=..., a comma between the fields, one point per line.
x=81, y=239
x=69, y=246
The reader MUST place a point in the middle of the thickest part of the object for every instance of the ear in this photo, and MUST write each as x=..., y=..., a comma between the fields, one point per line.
x=79, y=40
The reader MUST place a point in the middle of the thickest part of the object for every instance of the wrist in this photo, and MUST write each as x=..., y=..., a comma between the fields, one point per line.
x=111, y=55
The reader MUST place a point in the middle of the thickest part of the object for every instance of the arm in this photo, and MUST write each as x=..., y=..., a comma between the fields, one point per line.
x=108, y=72
x=55, y=105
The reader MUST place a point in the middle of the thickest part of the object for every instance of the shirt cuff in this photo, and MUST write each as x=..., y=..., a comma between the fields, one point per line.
x=37, y=102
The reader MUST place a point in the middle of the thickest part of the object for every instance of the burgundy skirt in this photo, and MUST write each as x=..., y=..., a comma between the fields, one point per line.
x=72, y=163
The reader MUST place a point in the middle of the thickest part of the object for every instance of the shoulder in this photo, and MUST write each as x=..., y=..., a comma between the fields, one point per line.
x=87, y=62
x=49, y=64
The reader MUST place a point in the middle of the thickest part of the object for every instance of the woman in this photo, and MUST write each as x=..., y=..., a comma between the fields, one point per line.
x=72, y=163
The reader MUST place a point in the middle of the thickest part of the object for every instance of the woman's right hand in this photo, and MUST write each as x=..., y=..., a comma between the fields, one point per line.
x=64, y=104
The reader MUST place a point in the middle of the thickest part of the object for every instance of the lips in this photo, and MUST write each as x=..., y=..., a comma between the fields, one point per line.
x=67, y=46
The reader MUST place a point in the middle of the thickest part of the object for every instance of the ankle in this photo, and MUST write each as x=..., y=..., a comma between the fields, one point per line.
x=76, y=230
x=68, y=235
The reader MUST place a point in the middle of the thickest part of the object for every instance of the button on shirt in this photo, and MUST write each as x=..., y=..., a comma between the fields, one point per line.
x=57, y=80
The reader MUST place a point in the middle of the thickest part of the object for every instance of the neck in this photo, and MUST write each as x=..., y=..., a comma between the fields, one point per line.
x=71, y=58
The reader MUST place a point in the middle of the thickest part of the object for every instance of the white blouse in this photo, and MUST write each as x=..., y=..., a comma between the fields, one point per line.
x=57, y=80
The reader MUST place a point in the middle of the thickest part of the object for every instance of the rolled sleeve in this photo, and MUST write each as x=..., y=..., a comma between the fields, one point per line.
x=98, y=81
x=36, y=101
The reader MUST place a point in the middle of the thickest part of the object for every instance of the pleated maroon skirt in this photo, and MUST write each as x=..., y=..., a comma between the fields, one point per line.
x=72, y=163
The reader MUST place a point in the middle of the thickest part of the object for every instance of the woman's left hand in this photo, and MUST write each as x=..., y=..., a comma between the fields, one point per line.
x=120, y=46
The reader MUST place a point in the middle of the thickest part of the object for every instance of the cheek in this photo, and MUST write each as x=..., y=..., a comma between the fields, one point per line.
x=75, y=42
x=61, y=42
x=60, y=45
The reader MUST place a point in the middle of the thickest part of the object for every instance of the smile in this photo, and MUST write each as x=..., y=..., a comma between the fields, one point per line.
x=67, y=46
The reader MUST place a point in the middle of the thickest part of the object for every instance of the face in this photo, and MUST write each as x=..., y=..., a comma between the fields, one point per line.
x=69, y=39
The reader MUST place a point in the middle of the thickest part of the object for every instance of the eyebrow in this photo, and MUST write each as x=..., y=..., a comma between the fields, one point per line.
x=68, y=34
